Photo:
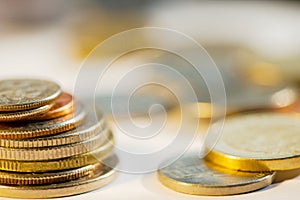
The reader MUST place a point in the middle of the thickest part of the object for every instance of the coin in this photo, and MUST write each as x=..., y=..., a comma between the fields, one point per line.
x=101, y=176
x=88, y=129
x=58, y=152
x=25, y=94
x=12, y=178
x=60, y=164
x=192, y=175
x=260, y=141
x=62, y=106
x=42, y=128
x=24, y=114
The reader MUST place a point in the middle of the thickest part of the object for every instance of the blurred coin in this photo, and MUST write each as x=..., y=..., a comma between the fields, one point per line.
x=192, y=175
x=13, y=178
x=54, y=153
x=25, y=94
x=260, y=141
x=62, y=106
x=99, y=177
x=24, y=114
x=42, y=128
x=88, y=129
x=60, y=164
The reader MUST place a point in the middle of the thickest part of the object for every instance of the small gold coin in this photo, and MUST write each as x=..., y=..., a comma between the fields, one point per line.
x=54, y=153
x=60, y=164
x=24, y=115
x=87, y=130
x=13, y=178
x=41, y=128
x=100, y=176
x=263, y=141
x=25, y=94
x=61, y=107
x=191, y=175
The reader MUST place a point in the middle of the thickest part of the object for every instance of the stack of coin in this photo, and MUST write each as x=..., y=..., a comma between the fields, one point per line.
x=50, y=145
x=256, y=149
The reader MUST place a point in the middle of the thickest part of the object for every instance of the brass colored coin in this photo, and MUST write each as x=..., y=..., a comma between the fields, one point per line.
x=61, y=164
x=99, y=177
x=54, y=153
x=12, y=178
x=24, y=114
x=62, y=106
x=42, y=128
x=25, y=94
x=85, y=131
x=191, y=175
x=265, y=141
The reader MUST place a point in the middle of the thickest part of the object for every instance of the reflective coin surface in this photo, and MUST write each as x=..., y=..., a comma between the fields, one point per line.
x=261, y=141
x=24, y=94
x=191, y=175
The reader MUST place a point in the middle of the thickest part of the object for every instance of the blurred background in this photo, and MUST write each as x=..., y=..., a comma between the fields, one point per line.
x=255, y=44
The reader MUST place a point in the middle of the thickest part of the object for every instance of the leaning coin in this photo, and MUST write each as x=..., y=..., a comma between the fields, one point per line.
x=263, y=141
x=42, y=128
x=25, y=94
x=24, y=115
x=191, y=175
x=99, y=178
x=87, y=130
x=13, y=178
x=58, y=152
x=60, y=164
x=62, y=106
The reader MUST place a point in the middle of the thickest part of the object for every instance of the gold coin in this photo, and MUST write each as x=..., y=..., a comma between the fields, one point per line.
x=12, y=178
x=42, y=128
x=259, y=142
x=24, y=114
x=62, y=106
x=54, y=153
x=191, y=175
x=25, y=94
x=60, y=164
x=99, y=178
x=88, y=129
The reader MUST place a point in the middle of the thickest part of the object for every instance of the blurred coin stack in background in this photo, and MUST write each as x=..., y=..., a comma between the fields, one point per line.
x=257, y=147
x=50, y=145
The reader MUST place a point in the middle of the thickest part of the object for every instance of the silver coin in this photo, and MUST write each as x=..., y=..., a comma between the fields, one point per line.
x=192, y=175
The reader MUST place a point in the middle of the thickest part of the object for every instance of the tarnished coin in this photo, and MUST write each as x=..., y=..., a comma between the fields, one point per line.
x=42, y=128
x=192, y=175
x=25, y=94
x=24, y=115
x=99, y=177
x=260, y=141
x=87, y=130
x=13, y=178
x=60, y=164
x=61, y=107
x=54, y=153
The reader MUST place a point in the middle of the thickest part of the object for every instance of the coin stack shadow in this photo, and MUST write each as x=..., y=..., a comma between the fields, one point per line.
x=50, y=145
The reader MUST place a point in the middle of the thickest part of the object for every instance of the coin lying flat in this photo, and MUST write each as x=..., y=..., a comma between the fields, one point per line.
x=24, y=114
x=259, y=142
x=42, y=128
x=87, y=130
x=62, y=106
x=61, y=164
x=99, y=177
x=13, y=178
x=58, y=152
x=25, y=94
x=192, y=175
